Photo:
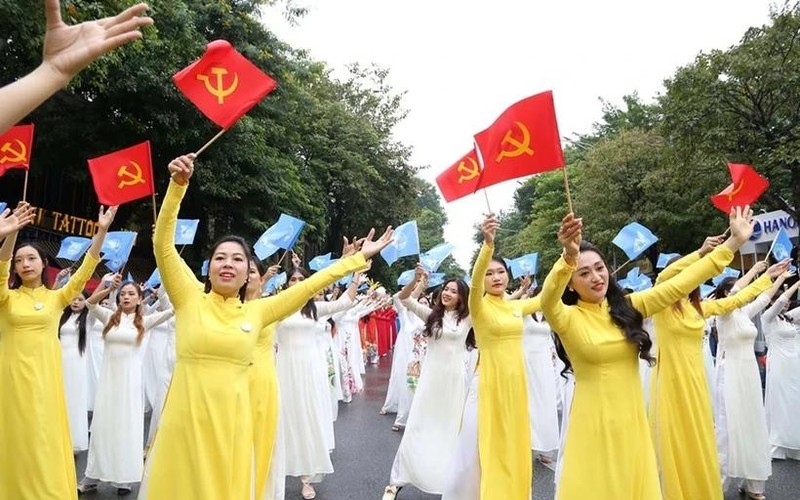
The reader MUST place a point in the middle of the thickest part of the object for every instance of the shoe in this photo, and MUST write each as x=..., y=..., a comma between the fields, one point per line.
x=121, y=492
x=752, y=496
x=86, y=488
x=308, y=491
x=391, y=492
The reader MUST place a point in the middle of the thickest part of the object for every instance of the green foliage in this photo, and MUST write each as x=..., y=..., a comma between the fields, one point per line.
x=316, y=148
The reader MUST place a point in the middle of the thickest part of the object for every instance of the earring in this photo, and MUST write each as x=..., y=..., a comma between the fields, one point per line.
x=570, y=289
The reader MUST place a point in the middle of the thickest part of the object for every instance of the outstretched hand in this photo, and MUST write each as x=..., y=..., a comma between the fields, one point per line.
x=489, y=228
x=741, y=223
x=11, y=222
x=780, y=268
x=69, y=49
x=371, y=248
x=106, y=217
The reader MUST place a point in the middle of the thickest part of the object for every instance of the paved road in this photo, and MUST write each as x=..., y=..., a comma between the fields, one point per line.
x=365, y=448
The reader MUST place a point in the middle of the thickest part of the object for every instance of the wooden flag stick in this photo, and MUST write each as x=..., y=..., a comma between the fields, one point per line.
x=566, y=189
x=155, y=210
x=282, y=257
x=25, y=187
x=485, y=195
x=727, y=230
x=209, y=143
x=620, y=267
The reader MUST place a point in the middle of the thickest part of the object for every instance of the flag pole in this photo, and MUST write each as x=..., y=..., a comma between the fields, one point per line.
x=25, y=186
x=155, y=210
x=282, y=257
x=485, y=195
x=566, y=189
x=209, y=143
x=621, y=266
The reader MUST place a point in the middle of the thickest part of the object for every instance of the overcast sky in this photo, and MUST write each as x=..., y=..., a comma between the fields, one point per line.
x=463, y=62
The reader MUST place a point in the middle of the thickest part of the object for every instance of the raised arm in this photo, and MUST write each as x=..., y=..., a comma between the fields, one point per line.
x=419, y=276
x=763, y=300
x=109, y=282
x=67, y=50
x=718, y=307
x=558, y=314
x=530, y=306
x=477, y=287
x=419, y=310
x=758, y=268
x=78, y=280
x=176, y=277
x=158, y=317
x=101, y=314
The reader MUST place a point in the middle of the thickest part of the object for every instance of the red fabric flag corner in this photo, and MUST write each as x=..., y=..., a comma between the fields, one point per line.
x=15, y=148
x=524, y=140
x=745, y=189
x=123, y=175
x=223, y=84
x=461, y=178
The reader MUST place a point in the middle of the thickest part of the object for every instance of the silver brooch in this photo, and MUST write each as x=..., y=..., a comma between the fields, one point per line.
x=246, y=327
x=38, y=306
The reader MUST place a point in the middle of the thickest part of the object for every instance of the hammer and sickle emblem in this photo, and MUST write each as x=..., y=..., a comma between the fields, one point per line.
x=736, y=189
x=128, y=178
x=469, y=172
x=220, y=91
x=11, y=155
x=522, y=147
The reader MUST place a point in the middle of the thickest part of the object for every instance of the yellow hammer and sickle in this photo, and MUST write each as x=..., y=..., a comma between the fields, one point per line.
x=471, y=172
x=15, y=155
x=736, y=189
x=220, y=91
x=132, y=178
x=522, y=147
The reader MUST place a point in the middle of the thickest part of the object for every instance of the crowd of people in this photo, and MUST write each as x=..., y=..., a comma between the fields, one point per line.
x=615, y=390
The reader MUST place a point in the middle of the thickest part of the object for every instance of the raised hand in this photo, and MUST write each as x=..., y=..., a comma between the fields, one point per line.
x=760, y=266
x=296, y=261
x=525, y=282
x=570, y=235
x=106, y=217
x=420, y=273
x=370, y=248
x=11, y=222
x=349, y=247
x=710, y=243
x=272, y=271
x=182, y=168
x=69, y=49
x=779, y=269
x=489, y=228
x=741, y=223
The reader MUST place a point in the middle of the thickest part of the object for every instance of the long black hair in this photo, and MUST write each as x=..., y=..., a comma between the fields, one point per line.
x=248, y=255
x=724, y=287
x=310, y=309
x=81, y=321
x=433, y=325
x=16, y=281
x=623, y=314
x=694, y=295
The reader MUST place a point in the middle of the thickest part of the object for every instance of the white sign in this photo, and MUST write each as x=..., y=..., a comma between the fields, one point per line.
x=766, y=228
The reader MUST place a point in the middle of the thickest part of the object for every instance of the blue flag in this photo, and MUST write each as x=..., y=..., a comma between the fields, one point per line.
x=406, y=242
x=73, y=247
x=204, y=268
x=782, y=246
x=282, y=234
x=346, y=280
x=3, y=206
x=130, y=277
x=705, y=290
x=435, y=279
x=273, y=284
x=664, y=258
x=154, y=280
x=118, y=245
x=320, y=262
x=636, y=281
x=185, y=231
x=634, y=239
x=114, y=265
x=726, y=273
x=527, y=264
x=405, y=277
x=433, y=258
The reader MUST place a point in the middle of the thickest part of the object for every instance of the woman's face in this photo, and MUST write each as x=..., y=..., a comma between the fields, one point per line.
x=129, y=298
x=449, y=296
x=255, y=282
x=77, y=304
x=495, y=280
x=228, y=269
x=29, y=266
x=590, y=280
x=423, y=300
x=294, y=279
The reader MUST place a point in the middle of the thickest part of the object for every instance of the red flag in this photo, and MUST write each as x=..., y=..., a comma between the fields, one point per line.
x=223, y=84
x=15, y=148
x=123, y=175
x=461, y=178
x=524, y=140
x=747, y=186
